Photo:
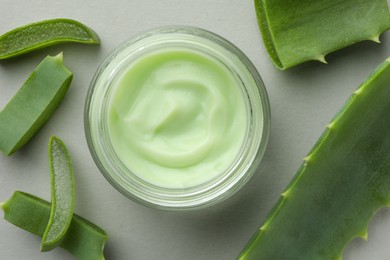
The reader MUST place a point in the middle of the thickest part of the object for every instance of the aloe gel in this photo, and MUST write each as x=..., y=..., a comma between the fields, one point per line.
x=42, y=34
x=62, y=194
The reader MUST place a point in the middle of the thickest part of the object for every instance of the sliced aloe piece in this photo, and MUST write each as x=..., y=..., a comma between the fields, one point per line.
x=34, y=103
x=41, y=34
x=62, y=194
x=83, y=239
x=296, y=31
x=343, y=181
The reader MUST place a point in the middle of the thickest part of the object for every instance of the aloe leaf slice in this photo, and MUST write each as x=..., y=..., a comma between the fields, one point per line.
x=41, y=34
x=34, y=103
x=62, y=194
x=83, y=239
x=296, y=31
x=343, y=181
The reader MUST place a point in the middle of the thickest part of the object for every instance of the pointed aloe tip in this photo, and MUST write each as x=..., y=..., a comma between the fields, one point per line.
x=358, y=91
x=53, y=138
x=307, y=160
x=4, y=205
x=321, y=58
x=60, y=56
x=364, y=235
x=375, y=39
x=331, y=125
x=264, y=227
x=286, y=193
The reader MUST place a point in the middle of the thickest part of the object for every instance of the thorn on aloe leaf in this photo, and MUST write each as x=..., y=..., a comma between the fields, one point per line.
x=331, y=125
x=307, y=160
x=375, y=39
x=286, y=193
x=364, y=235
x=357, y=92
x=264, y=227
x=321, y=58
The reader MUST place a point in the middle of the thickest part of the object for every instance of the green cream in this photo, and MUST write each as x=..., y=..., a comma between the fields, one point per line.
x=177, y=117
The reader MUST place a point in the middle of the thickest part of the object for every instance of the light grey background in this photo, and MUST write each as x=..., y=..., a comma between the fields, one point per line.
x=303, y=100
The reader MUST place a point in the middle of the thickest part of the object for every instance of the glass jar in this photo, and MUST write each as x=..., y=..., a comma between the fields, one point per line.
x=227, y=181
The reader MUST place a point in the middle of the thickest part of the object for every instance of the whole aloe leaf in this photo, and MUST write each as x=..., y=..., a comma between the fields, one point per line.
x=343, y=181
x=296, y=31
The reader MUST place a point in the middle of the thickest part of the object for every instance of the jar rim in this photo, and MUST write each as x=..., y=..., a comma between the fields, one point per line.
x=209, y=193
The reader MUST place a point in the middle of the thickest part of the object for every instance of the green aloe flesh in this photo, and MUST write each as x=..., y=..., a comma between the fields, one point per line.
x=62, y=194
x=343, y=181
x=297, y=31
x=34, y=103
x=83, y=239
x=42, y=34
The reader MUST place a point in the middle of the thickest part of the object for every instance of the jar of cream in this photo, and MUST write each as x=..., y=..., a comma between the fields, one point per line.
x=177, y=118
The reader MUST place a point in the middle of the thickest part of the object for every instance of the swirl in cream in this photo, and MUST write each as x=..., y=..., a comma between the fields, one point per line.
x=177, y=117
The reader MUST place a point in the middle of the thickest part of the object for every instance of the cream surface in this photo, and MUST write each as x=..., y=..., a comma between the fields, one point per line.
x=177, y=118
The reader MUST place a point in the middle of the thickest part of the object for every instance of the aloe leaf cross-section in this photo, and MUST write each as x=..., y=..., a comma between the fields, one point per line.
x=296, y=31
x=342, y=182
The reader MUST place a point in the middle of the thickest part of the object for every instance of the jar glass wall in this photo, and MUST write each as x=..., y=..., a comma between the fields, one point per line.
x=188, y=142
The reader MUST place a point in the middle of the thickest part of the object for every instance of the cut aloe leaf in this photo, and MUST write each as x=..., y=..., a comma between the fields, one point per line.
x=34, y=103
x=343, y=181
x=296, y=31
x=62, y=194
x=45, y=33
x=83, y=239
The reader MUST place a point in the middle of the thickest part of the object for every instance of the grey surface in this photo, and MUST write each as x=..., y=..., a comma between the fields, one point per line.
x=303, y=100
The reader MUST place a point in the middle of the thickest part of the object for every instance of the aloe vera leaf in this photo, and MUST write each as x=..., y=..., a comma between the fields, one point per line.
x=343, y=181
x=297, y=31
x=45, y=33
x=62, y=194
x=83, y=239
x=34, y=103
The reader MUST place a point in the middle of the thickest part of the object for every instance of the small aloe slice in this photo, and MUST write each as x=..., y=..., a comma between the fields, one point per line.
x=83, y=239
x=42, y=34
x=296, y=31
x=62, y=194
x=343, y=181
x=34, y=103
